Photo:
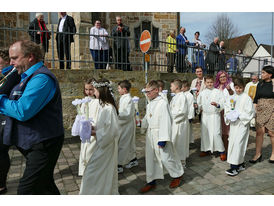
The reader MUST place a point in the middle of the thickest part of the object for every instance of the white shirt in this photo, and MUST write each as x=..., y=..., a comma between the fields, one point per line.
x=96, y=42
x=61, y=25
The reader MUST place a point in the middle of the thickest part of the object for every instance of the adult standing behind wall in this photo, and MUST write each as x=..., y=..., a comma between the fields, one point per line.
x=11, y=80
x=171, y=51
x=34, y=118
x=182, y=43
x=39, y=33
x=121, y=45
x=65, y=30
x=212, y=57
x=98, y=45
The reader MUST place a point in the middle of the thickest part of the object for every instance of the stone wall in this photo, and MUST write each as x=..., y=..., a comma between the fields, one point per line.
x=13, y=20
x=71, y=84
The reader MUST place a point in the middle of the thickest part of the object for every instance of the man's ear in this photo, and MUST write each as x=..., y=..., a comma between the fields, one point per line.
x=31, y=58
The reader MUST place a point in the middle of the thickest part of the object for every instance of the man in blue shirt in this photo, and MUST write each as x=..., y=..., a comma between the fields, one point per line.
x=34, y=118
x=182, y=45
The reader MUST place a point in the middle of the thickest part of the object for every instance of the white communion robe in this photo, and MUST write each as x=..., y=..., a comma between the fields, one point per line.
x=239, y=130
x=100, y=176
x=126, y=145
x=180, y=125
x=211, y=135
x=164, y=95
x=158, y=123
x=87, y=148
x=191, y=113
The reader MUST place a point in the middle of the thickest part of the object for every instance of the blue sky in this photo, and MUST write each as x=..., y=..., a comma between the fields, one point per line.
x=257, y=23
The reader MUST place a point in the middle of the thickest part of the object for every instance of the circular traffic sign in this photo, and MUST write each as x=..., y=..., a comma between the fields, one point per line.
x=145, y=41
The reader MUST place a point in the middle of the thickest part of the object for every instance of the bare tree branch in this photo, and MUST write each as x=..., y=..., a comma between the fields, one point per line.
x=223, y=28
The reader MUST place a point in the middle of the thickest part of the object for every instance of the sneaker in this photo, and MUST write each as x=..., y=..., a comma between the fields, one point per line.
x=232, y=172
x=241, y=167
x=132, y=164
x=120, y=170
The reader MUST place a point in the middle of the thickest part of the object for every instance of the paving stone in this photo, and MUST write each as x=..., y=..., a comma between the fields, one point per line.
x=202, y=175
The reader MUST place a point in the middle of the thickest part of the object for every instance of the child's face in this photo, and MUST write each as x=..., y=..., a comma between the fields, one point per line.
x=173, y=87
x=96, y=93
x=121, y=90
x=239, y=89
x=89, y=90
x=152, y=93
x=209, y=83
x=184, y=88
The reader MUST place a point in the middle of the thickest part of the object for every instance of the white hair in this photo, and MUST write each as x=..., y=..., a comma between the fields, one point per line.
x=39, y=14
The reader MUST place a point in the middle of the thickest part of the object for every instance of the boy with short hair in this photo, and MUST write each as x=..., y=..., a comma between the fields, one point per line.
x=126, y=145
x=180, y=123
x=190, y=103
x=211, y=102
x=238, y=114
x=160, y=153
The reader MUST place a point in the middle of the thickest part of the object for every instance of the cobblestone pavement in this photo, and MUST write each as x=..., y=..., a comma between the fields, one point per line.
x=204, y=175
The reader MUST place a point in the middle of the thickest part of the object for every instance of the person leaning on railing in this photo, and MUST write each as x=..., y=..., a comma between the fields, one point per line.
x=264, y=107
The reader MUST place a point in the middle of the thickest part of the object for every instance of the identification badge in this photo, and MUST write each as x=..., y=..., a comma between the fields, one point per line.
x=17, y=93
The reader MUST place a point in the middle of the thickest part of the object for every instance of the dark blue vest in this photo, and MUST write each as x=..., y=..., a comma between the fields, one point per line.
x=46, y=124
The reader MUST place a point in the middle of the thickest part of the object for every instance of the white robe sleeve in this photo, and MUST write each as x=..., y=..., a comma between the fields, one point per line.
x=191, y=111
x=248, y=112
x=165, y=123
x=199, y=103
x=106, y=127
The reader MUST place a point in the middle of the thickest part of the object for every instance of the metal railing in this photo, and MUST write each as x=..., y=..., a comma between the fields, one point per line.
x=103, y=51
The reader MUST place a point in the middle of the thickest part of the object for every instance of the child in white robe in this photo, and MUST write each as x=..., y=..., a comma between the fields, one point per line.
x=100, y=176
x=180, y=123
x=191, y=109
x=238, y=114
x=92, y=108
x=160, y=153
x=211, y=102
x=126, y=145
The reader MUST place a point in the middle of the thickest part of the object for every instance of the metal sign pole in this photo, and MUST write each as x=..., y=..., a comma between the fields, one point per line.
x=146, y=69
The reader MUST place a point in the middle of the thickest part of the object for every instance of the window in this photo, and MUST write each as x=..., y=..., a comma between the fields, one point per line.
x=265, y=61
x=147, y=25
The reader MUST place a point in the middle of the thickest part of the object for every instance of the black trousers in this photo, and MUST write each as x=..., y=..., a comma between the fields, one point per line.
x=63, y=48
x=122, y=59
x=4, y=164
x=40, y=162
x=181, y=63
x=171, y=58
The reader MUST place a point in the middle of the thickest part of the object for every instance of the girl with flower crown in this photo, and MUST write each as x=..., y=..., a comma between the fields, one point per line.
x=100, y=176
x=90, y=111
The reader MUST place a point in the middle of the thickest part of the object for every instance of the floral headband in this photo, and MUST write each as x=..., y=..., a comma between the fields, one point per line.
x=101, y=84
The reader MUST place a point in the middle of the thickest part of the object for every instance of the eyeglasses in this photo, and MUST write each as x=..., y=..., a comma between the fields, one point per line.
x=148, y=91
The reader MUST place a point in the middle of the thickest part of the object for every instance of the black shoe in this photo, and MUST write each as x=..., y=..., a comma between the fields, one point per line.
x=232, y=172
x=271, y=161
x=5, y=190
x=255, y=161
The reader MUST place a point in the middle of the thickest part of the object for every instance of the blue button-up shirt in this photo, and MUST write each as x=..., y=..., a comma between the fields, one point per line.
x=7, y=69
x=38, y=92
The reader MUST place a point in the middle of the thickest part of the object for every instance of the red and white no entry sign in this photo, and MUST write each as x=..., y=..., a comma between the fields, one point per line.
x=145, y=41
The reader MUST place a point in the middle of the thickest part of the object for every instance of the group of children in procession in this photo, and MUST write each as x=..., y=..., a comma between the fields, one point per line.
x=168, y=128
